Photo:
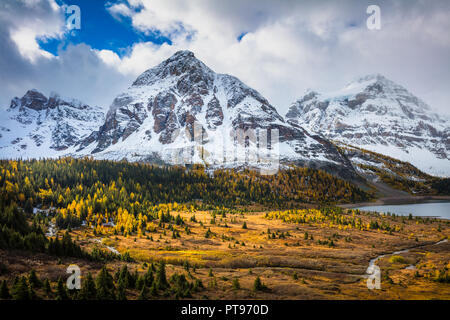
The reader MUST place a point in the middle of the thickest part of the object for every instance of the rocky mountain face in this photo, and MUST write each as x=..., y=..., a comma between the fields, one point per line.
x=183, y=109
x=38, y=126
x=182, y=112
x=377, y=114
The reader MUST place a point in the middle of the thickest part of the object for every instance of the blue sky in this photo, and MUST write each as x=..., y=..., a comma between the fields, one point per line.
x=100, y=30
x=278, y=47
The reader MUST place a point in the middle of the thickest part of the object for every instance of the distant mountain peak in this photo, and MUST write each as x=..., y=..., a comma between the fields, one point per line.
x=180, y=63
x=182, y=54
x=32, y=99
x=33, y=91
x=37, y=126
x=372, y=77
x=380, y=115
x=155, y=119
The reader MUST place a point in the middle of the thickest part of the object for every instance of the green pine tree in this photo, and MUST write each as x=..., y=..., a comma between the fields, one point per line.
x=121, y=292
x=125, y=277
x=153, y=290
x=88, y=290
x=140, y=283
x=161, y=279
x=236, y=284
x=33, y=279
x=21, y=290
x=61, y=291
x=47, y=288
x=32, y=293
x=148, y=278
x=4, y=291
x=258, y=285
x=104, y=284
x=143, y=293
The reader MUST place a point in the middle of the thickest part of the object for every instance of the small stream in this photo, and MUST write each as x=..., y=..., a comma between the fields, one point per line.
x=112, y=249
x=52, y=230
x=410, y=267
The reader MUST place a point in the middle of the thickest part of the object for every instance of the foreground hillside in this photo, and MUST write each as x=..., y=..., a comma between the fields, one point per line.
x=229, y=254
x=143, y=232
x=105, y=186
x=381, y=171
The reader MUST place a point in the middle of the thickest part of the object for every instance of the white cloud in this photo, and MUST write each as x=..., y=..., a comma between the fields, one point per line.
x=76, y=72
x=25, y=40
x=109, y=57
x=294, y=45
x=45, y=23
x=289, y=46
x=119, y=9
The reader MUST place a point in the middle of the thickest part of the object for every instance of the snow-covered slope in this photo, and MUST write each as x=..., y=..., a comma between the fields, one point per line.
x=35, y=126
x=160, y=116
x=377, y=114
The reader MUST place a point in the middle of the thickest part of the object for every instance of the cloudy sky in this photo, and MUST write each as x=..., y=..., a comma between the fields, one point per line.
x=279, y=47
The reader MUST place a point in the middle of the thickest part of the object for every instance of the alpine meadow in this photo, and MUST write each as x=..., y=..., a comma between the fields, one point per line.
x=133, y=168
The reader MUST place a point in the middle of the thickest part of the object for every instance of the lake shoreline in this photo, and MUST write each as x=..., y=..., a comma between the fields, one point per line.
x=397, y=201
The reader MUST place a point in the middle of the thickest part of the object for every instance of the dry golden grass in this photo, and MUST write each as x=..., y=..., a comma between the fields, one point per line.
x=291, y=267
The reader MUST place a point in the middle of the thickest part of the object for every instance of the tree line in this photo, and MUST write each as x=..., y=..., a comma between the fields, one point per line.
x=152, y=284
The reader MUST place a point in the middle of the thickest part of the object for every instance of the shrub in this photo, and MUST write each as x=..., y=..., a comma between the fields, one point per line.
x=236, y=284
x=258, y=285
x=397, y=259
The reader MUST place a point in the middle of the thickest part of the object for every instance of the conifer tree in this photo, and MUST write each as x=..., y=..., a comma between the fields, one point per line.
x=236, y=284
x=47, y=288
x=161, y=279
x=121, y=293
x=148, y=278
x=88, y=290
x=258, y=285
x=125, y=277
x=140, y=283
x=61, y=291
x=32, y=293
x=133, y=279
x=153, y=290
x=21, y=290
x=4, y=291
x=143, y=293
x=33, y=279
x=104, y=284
x=186, y=265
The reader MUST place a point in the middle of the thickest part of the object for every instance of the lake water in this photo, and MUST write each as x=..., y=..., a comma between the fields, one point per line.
x=433, y=209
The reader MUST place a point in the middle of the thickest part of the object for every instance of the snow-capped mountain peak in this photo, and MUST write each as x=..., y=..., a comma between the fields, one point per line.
x=380, y=115
x=182, y=62
x=38, y=126
x=157, y=116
